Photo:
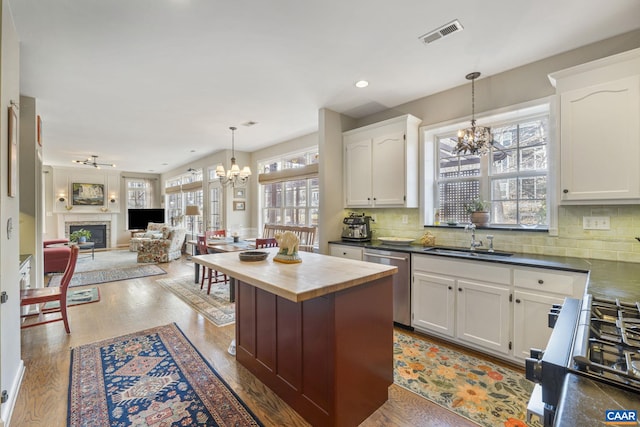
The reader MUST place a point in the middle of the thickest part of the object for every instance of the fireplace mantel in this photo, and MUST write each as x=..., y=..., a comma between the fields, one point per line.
x=110, y=219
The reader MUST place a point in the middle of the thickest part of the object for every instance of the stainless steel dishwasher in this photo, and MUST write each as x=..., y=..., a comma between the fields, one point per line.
x=401, y=281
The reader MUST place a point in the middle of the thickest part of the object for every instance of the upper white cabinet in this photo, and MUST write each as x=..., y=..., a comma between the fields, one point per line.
x=381, y=164
x=600, y=129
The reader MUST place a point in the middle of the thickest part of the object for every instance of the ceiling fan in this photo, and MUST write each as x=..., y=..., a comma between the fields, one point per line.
x=91, y=161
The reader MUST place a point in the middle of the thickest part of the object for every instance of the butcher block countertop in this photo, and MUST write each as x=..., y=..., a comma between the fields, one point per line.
x=315, y=276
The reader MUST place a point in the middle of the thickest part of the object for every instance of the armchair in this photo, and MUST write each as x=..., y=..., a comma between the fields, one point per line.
x=164, y=249
x=55, y=255
x=153, y=231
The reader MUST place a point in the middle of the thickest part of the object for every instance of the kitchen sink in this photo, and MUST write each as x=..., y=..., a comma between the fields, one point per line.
x=468, y=253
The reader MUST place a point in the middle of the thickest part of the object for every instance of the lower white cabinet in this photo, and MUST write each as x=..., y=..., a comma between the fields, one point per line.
x=345, y=251
x=437, y=303
x=483, y=315
x=495, y=308
x=530, y=321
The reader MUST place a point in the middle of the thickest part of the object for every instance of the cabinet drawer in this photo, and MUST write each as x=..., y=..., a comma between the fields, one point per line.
x=559, y=282
x=350, y=252
x=478, y=270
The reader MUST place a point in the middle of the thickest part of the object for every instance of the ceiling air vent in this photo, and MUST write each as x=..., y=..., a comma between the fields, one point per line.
x=445, y=30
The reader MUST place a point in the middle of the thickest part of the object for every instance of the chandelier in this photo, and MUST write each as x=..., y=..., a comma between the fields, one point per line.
x=475, y=139
x=91, y=161
x=234, y=176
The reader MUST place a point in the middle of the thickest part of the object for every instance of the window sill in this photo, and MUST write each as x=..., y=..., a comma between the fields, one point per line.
x=492, y=227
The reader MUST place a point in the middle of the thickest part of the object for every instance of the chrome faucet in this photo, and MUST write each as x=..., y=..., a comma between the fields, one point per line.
x=474, y=243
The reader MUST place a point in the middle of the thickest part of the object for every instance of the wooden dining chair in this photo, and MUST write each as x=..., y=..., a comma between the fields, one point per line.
x=211, y=275
x=215, y=233
x=269, y=242
x=41, y=296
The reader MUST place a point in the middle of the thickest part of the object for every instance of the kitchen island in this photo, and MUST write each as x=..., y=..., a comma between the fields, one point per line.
x=318, y=333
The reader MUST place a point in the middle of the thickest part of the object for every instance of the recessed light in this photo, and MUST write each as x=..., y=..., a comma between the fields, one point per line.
x=362, y=83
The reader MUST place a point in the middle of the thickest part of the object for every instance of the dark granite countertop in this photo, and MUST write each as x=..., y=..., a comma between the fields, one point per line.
x=584, y=401
x=607, y=279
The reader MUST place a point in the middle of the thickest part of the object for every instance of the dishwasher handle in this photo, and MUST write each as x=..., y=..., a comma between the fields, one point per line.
x=367, y=254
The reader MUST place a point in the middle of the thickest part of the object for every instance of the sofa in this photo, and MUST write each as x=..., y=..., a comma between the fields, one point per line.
x=55, y=255
x=153, y=231
x=164, y=249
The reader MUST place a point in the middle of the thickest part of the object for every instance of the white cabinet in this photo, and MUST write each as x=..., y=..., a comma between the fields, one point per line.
x=345, y=251
x=600, y=129
x=536, y=290
x=435, y=309
x=492, y=307
x=381, y=164
x=483, y=315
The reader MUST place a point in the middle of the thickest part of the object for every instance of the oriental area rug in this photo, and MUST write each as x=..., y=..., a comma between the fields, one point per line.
x=485, y=393
x=111, y=275
x=215, y=307
x=150, y=378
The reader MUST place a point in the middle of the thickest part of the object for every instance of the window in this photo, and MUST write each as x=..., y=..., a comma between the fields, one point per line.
x=182, y=191
x=289, y=190
x=140, y=193
x=513, y=176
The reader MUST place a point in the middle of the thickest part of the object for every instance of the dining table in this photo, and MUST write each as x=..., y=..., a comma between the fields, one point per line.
x=221, y=246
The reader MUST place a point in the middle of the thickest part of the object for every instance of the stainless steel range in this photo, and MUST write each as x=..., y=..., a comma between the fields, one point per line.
x=595, y=338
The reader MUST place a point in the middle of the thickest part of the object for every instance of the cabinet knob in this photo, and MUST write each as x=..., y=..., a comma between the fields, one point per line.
x=344, y=253
x=518, y=300
x=459, y=289
x=565, y=191
x=540, y=281
x=375, y=198
x=368, y=198
x=449, y=287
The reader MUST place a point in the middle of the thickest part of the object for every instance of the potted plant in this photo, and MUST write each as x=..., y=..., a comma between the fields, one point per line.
x=80, y=236
x=479, y=211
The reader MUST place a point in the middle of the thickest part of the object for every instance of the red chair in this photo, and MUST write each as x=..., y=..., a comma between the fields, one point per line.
x=213, y=276
x=269, y=242
x=215, y=233
x=42, y=296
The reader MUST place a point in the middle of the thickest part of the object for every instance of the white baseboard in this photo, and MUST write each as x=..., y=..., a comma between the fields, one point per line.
x=7, y=407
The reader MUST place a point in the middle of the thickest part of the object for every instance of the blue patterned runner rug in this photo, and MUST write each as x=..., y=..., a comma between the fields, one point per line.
x=150, y=378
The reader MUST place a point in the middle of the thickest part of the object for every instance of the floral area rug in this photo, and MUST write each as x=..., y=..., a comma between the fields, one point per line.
x=215, y=307
x=485, y=393
x=150, y=378
x=110, y=275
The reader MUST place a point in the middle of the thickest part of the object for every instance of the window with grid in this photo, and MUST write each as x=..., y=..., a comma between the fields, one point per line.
x=292, y=200
x=513, y=176
x=139, y=193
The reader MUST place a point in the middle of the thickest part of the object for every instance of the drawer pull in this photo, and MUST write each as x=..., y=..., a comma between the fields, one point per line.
x=518, y=300
x=540, y=281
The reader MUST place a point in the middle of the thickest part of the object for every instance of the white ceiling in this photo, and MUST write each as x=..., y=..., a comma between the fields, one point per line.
x=153, y=84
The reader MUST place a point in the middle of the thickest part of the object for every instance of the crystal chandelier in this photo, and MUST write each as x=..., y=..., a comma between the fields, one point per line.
x=475, y=139
x=234, y=176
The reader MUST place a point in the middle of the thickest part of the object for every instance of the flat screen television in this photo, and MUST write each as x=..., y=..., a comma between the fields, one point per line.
x=139, y=218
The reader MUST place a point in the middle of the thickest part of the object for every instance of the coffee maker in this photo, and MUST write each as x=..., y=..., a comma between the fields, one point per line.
x=356, y=228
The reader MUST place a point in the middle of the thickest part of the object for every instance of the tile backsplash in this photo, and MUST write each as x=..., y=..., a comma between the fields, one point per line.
x=616, y=244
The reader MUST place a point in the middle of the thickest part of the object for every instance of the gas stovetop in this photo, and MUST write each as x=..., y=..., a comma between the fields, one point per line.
x=612, y=349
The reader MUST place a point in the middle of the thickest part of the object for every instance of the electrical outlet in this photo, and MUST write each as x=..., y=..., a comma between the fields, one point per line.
x=405, y=219
x=596, y=223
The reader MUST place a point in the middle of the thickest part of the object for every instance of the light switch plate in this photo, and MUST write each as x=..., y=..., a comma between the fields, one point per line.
x=596, y=223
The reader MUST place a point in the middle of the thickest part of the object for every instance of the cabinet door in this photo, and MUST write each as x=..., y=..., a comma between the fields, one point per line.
x=344, y=251
x=600, y=141
x=530, y=321
x=483, y=312
x=357, y=173
x=389, y=169
x=433, y=303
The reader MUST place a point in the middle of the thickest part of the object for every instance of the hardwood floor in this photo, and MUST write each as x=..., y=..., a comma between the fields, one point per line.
x=133, y=305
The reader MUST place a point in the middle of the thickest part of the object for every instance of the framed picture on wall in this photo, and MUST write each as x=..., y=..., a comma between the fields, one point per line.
x=88, y=194
x=238, y=206
x=13, y=151
x=239, y=193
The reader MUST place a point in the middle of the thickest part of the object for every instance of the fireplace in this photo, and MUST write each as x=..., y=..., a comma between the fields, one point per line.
x=100, y=231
